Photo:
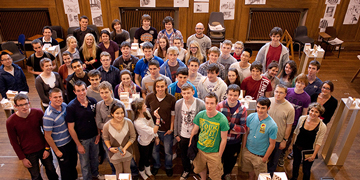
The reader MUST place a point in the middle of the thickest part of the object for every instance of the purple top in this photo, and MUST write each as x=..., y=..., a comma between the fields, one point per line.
x=111, y=50
x=299, y=101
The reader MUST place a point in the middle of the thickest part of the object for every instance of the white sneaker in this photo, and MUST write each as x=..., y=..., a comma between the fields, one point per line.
x=100, y=176
x=143, y=175
x=184, y=175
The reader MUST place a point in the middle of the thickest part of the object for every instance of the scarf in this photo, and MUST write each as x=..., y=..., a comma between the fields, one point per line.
x=132, y=89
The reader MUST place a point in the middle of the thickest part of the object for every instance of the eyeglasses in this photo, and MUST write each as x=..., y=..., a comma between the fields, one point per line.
x=7, y=59
x=238, y=48
x=199, y=28
x=21, y=105
x=325, y=88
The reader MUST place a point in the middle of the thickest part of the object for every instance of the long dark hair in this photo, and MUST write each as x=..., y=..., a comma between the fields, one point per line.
x=137, y=105
x=160, y=50
x=293, y=67
x=237, y=81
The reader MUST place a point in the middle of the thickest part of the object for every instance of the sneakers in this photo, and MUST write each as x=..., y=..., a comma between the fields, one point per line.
x=184, y=175
x=227, y=177
x=148, y=173
x=281, y=162
x=169, y=172
x=290, y=156
x=100, y=177
x=143, y=175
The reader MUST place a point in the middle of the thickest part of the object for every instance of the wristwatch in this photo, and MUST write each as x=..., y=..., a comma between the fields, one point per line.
x=286, y=140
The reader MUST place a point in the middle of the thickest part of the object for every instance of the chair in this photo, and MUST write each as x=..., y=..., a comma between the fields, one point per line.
x=301, y=37
x=132, y=33
x=96, y=31
x=216, y=28
x=17, y=55
x=329, y=37
x=58, y=33
x=70, y=31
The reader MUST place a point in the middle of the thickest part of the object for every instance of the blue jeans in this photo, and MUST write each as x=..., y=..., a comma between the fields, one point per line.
x=168, y=143
x=48, y=164
x=274, y=158
x=89, y=161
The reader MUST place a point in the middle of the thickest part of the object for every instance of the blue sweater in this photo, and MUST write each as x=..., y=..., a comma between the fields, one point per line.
x=165, y=69
x=10, y=82
x=172, y=88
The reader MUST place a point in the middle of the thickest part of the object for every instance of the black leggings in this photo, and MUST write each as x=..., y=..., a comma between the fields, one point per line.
x=145, y=155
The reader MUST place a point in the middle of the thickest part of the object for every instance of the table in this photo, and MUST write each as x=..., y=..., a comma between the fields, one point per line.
x=358, y=71
x=305, y=56
x=331, y=157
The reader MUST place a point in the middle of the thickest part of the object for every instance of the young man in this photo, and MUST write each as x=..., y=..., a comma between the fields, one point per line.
x=103, y=108
x=145, y=33
x=12, y=76
x=238, y=49
x=58, y=137
x=33, y=62
x=187, y=108
x=300, y=101
x=172, y=64
x=80, y=119
x=93, y=88
x=141, y=67
x=282, y=112
x=243, y=66
x=170, y=32
x=212, y=83
x=201, y=38
x=256, y=85
x=193, y=66
x=225, y=57
x=214, y=53
x=213, y=127
x=79, y=33
x=27, y=139
x=126, y=60
x=314, y=86
x=79, y=74
x=236, y=114
x=273, y=51
x=108, y=72
x=147, y=83
x=259, y=141
x=182, y=78
x=47, y=39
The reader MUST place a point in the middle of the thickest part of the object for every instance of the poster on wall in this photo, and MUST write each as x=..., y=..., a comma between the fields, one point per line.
x=201, y=7
x=228, y=8
x=71, y=7
x=248, y=2
x=181, y=3
x=147, y=3
x=332, y=2
x=73, y=19
x=326, y=22
x=353, y=12
x=329, y=11
x=96, y=13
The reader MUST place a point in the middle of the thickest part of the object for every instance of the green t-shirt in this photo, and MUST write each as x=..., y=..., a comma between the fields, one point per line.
x=210, y=135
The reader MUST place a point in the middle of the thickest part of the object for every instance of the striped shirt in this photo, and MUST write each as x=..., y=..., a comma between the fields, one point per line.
x=54, y=121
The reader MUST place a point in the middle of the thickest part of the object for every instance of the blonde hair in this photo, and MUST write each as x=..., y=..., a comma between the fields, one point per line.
x=85, y=50
x=173, y=49
x=198, y=54
x=68, y=40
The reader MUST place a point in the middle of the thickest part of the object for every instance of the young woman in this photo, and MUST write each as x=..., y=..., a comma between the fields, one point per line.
x=271, y=73
x=119, y=35
x=90, y=52
x=126, y=85
x=194, y=51
x=71, y=44
x=65, y=69
x=47, y=80
x=182, y=51
x=162, y=49
x=147, y=132
x=108, y=45
x=308, y=135
x=233, y=77
x=327, y=100
x=119, y=134
x=288, y=75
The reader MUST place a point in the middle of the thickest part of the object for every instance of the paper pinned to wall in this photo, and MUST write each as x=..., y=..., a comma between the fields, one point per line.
x=329, y=11
x=71, y=7
x=352, y=13
x=96, y=13
x=332, y=2
x=201, y=7
x=326, y=22
x=181, y=3
x=247, y=2
x=228, y=8
x=73, y=19
x=147, y=3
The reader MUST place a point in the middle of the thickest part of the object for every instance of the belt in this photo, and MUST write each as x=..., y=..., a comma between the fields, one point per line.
x=256, y=154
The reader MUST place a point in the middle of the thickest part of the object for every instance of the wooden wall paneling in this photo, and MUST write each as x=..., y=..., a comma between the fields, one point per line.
x=63, y=19
x=183, y=23
x=244, y=25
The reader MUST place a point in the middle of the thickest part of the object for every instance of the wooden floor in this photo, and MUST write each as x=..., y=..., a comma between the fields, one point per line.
x=339, y=70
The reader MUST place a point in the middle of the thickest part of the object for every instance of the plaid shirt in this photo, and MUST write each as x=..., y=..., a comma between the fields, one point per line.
x=238, y=118
x=176, y=33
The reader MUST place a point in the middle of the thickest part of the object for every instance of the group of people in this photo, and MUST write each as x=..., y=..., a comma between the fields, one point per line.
x=187, y=96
